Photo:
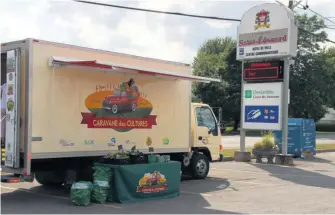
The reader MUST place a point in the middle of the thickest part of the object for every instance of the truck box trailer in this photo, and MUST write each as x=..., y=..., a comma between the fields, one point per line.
x=67, y=106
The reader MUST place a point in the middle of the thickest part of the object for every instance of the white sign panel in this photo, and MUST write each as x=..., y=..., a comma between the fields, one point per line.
x=267, y=31
x=11, y=108
x=261, y=109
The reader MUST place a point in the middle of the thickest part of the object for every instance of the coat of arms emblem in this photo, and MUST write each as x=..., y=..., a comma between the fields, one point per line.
x=262, y=19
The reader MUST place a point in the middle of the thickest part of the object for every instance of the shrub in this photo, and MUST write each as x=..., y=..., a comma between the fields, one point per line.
x=268, y=145
x=268, y=141
x=325, y=127
x=258, y=145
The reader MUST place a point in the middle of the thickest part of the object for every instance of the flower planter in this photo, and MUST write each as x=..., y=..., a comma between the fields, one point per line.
x=269, y=154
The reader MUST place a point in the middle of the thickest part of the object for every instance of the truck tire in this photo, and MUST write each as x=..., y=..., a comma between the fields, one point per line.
x=48, y=179
x=200, y=166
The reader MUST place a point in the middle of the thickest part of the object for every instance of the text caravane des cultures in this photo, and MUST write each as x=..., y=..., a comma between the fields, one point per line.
x=93, y=121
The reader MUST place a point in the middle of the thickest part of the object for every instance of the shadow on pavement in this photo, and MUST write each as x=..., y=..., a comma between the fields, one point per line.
x=210, y=184
x=319, y=160
x=190, y=200
x=51, y=200
x=298, y=176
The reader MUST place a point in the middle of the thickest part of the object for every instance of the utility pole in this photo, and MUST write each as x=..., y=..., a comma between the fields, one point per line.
x=285, y=95
x=290, y=4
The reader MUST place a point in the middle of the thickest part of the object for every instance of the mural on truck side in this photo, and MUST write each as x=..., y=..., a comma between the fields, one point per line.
x=120, y=107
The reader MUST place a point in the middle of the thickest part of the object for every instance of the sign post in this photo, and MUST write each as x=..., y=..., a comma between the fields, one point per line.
x=242, y=131
x=267, y=38
x=285, y=105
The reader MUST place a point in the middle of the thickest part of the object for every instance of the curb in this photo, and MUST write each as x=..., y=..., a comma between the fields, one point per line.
x=325, y=150
x=252, y=157
x=228, y=159
x=232, y=158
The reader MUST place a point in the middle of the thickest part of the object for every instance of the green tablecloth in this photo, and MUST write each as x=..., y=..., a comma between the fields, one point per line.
x=138, y=182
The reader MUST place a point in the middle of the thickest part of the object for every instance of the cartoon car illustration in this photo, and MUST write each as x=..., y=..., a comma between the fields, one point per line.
x=123, y=99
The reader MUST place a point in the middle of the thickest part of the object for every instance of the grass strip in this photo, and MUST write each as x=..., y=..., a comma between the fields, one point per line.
x=230, y=152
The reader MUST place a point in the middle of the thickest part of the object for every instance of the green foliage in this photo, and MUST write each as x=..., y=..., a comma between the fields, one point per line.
x=217, y=58
x=258, y=145
x=267, y=142
x=329, y=66
x=311, y=79
x=325, y=127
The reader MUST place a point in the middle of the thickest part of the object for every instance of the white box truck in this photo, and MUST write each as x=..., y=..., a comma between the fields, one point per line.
x=67, y=106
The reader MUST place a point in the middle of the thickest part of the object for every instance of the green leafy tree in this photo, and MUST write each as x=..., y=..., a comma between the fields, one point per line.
x=329, y=66
x=310, y=81
x=217, y=58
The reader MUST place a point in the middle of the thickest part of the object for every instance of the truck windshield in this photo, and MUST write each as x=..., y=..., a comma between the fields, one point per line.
x=205, y=118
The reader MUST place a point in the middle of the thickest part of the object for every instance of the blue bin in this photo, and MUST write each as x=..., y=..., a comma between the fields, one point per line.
x=301, y=136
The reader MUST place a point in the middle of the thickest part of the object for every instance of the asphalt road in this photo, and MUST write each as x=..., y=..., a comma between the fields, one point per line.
x=233, y=141
x=308, y=187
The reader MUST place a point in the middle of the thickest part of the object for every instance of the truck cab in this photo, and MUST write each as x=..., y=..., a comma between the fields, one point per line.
x=206, y=140
x=205, y=129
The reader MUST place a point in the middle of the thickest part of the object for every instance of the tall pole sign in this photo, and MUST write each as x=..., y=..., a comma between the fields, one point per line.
x=266, y=40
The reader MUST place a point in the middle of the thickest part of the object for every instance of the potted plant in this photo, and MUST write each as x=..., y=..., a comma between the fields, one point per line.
x=265, y=148
x=257, y=151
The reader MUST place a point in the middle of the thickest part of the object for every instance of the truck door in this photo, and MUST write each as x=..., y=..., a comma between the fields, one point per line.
x=10, y=71
x=208, y=134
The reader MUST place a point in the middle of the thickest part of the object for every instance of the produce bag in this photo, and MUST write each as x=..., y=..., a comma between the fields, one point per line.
x=152, y=159
x=81, y=193
x=100, y=191
x=102, y=173
x=161, y=159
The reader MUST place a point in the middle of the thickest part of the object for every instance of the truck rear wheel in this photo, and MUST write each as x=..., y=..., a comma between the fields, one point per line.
x=200, y=166
x=48, y=179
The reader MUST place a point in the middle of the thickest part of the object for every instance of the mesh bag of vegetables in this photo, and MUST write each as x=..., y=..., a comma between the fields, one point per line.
x=81, y=193
x=102, y=173
x=100, y=191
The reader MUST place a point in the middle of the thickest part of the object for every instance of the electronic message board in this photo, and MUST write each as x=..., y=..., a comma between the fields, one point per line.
x=263, y=71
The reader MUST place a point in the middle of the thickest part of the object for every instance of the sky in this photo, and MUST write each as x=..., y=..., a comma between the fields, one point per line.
x=166, y=37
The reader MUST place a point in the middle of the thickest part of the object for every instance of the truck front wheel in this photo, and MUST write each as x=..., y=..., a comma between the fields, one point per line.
x=200, y=166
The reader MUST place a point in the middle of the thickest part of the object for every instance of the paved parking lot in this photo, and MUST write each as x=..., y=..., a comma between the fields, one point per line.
x=232, y=187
